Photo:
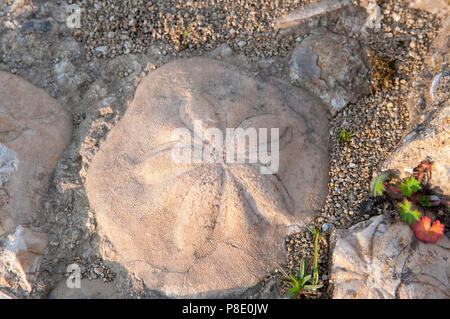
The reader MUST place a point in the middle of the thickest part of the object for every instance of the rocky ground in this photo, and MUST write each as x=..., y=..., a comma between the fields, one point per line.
x=93, y=72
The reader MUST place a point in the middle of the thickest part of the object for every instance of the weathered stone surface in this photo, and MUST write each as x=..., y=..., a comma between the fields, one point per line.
x=438, y=7
x=332, y=66
x=89, y=289
x=26, y=249
x=308, y=11
x=431, y=141
x=380, y=259
x=354, y=19
x=190, y=229
x=34, y=130
x=4, y=295
x=429, y=111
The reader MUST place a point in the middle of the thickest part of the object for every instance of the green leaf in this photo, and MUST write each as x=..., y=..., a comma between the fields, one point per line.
x=406, y=214
x=312, y=287
x=409, y=186
x=302, y=268
x=306, y=278
x=377, y=187
x=294, y=279
x=293, y=292
x=425, y=201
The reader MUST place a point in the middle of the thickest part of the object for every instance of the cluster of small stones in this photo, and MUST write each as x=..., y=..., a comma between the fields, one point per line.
x=93, y=268
x=379, y=122
x=111, y=28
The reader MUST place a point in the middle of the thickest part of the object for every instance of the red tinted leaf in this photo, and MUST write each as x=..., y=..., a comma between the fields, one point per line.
x=426, y=232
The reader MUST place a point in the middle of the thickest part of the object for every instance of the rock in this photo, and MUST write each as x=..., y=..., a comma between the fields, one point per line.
x=308, y=11
x=34, y=131
x=332, y=67
x=438, y=7
x=89, y=289
x=4, y=295
x=200, y=228
x=373, y=20
x=357, y=19
x=379, y=259
x=28, y=248
x=431, y=141
x=36, y=25
x=429, y=111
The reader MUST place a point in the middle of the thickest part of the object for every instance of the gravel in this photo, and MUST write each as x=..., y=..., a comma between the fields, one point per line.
x=379, y=122
x=176, y=25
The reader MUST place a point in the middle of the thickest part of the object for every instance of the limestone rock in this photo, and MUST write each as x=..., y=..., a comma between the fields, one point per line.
x=379, y=259
x=438, y=7
x=308, y=11
x=332, y=67
x=373, y=20
x=26, y=248
x=4, y=295
x=431, y=141
x=34, y=131
x=208, y=227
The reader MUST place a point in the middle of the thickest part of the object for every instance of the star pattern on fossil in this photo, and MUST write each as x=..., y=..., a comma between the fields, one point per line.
x=264, y=198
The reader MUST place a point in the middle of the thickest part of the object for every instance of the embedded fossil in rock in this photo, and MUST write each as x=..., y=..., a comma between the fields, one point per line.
x=196, y=227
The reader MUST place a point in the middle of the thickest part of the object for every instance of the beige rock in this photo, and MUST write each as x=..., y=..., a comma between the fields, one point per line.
x=27, y=248
x=431, y=141
x=4, y=295
x=89, y=289
x=438, y=7
x=429, y=110
x=309, y=11
x=332, y=66
x=200, y=228
x=379, y=259
x=34, y=131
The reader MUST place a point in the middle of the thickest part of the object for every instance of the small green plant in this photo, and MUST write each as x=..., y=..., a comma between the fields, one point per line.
x=345, y=135
x=186, y=32
x=413, y=192
x=377, y=187
x=316, y=233
x=424, y=201
x=299, y=284
x=406, y=214
x=409, y=186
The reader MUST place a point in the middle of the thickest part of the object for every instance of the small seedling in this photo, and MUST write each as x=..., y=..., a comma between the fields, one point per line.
x=424, y=201
x=186, y=32
x=316, y=233
x=299, y=284
x=406, y=214
x=412, y=190
x=409, y=186
x=344, y=135
x=423, y=170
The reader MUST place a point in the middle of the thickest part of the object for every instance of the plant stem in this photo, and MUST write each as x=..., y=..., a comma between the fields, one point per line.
x=316, y=248
x=392, y=188
x=439, y=201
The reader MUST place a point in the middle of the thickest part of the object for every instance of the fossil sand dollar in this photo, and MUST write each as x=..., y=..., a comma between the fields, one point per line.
x=199, y=227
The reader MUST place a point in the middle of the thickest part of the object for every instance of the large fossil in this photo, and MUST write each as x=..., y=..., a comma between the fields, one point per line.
x=188, y=228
